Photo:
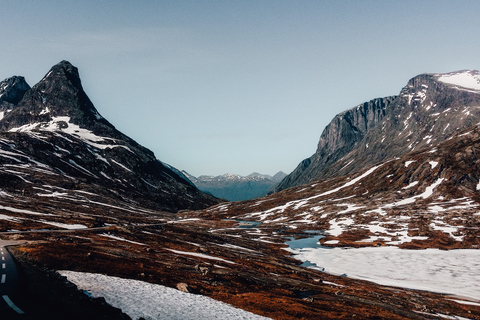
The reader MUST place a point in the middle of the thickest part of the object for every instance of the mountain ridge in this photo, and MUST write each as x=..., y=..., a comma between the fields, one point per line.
x=423, y=109
x=56, y=126
x=234, y=187
x=86, y=200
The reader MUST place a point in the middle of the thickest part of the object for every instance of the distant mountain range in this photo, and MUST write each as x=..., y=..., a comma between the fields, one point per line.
x=235, y=187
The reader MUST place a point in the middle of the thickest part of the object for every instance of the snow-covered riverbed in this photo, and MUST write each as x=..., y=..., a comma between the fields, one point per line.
x=444, y=271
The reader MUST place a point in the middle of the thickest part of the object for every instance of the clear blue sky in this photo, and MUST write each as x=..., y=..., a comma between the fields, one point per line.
x=236, y=86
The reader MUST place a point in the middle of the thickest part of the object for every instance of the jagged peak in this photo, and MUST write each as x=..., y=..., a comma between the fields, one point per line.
x=59, y=95
x=66, y=71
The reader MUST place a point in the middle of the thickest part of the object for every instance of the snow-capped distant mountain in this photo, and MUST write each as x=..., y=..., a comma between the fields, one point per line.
x=235, y=187
x=51, y=134
x=428, y=110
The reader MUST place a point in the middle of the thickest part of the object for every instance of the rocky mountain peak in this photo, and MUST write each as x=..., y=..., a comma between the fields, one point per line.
x=61, y=131
x=58, y=99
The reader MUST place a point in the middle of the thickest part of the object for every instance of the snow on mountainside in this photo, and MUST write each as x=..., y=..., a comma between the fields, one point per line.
x=464, y=79
x=235, y=187
x=55, y=136
x=428, y=110
x=426, y=198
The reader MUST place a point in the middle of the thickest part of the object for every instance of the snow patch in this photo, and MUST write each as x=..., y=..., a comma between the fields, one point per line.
x=200, y=255
x=150, y=301
x=445, y=271
x=407, y=163
x=428, y=192
x=65, y=225
x=463, y=79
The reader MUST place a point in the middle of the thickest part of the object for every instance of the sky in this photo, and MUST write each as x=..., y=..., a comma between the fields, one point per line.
x=215, y=87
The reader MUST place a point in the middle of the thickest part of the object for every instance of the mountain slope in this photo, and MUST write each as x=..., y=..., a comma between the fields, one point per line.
x=55, y=136
x=429, y=109
x=427, y=198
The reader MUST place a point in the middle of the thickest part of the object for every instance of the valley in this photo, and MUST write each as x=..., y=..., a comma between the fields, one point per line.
x=394, y=182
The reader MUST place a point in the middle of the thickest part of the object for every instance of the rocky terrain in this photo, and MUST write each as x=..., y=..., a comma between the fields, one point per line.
x=234, y=187
x=81, y=196
x=426, y=199
x=428, y=110
x=246, y=267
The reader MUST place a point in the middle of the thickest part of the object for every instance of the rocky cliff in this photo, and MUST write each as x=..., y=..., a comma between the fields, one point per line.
x=12, y=91
x=428, y=110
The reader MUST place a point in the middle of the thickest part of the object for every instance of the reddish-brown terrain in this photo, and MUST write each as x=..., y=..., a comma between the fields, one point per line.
x=245, y=267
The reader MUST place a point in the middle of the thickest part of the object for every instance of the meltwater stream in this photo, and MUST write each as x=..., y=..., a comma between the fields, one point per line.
x=445, y=271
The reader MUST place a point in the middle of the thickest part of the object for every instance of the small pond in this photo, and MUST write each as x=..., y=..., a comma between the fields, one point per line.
x=246, y=223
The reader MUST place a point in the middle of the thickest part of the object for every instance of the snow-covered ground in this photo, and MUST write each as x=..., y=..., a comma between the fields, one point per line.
x=150, y=301
x=444, y=271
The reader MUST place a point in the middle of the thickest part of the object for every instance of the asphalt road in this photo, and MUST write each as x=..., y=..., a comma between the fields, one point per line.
x=10, y=289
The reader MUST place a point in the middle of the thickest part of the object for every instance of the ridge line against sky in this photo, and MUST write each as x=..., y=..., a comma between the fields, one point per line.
x=215, y=87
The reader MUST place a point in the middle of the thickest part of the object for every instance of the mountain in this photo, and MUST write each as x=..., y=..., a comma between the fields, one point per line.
x=234, y=187
x=80, y=200
x=426, y=198
x=51, y=134
x=428, y=110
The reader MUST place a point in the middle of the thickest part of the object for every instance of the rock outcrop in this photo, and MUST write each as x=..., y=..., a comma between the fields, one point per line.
x=12, y=91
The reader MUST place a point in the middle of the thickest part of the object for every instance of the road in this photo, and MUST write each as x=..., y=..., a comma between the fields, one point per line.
x=10, y=290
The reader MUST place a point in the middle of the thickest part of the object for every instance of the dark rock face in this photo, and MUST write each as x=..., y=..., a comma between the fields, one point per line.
x=59, y=93
x=12, y=91
x=55, y=128
x=426, y=112
x=340, y=137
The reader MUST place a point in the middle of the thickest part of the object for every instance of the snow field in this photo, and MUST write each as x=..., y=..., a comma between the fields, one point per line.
x=151, y=301
x=465, y=79
x=444, y=271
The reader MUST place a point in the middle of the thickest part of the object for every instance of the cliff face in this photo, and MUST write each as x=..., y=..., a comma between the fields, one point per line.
x=428, y=110
x=340, y=137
